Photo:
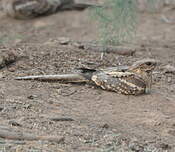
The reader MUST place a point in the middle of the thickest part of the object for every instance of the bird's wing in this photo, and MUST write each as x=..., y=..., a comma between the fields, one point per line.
x=88, y=73
x=85, y=72
x=120, y=82
x=116, y=69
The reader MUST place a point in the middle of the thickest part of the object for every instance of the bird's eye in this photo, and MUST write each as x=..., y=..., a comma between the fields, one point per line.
x=148, y=63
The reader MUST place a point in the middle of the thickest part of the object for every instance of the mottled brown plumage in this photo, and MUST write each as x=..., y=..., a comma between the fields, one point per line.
x=137, y=79
x=133, y=80
x=25, y=9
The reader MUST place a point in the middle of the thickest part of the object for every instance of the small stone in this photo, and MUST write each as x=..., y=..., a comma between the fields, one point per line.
x=32, y=97
x=165, y=146
x=27, y=106
x=79, y=45
x=169, y=69
x=136, y=147
x=41, y=24
x=1, y=108
x=173, y=125
x=171, y=132
x=14, y=123
x=12, y=69
x=64, y=40
x=106, y=126
x=1, y=75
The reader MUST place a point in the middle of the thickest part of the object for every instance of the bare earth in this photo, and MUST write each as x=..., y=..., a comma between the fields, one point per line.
x=103, y=121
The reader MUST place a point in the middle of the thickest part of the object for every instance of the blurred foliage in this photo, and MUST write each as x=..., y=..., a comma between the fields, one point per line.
x=117, y=20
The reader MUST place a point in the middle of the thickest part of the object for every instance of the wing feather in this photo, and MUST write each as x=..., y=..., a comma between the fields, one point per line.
x=120, y=82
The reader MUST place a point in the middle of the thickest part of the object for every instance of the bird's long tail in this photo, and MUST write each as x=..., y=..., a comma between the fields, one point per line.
x=62, y=77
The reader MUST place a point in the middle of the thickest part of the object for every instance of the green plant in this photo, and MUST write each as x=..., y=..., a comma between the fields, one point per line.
x=117, y=20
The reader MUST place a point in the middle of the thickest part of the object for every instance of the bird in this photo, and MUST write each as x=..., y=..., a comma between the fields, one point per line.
x=27, y=9
x=128, y=80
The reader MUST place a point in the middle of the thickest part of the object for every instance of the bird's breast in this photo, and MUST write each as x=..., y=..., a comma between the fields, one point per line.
x=128, y=83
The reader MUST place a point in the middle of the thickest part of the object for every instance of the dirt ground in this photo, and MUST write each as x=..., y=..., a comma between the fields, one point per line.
x=102, y=121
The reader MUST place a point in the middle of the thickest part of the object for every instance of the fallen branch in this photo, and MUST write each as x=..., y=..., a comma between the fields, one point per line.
x=8, y=133
x=120, y=50
x=60, y=118
x=57, y=118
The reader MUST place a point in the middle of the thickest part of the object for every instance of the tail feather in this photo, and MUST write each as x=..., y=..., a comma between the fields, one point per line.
x=85, y=72
x=61, y=77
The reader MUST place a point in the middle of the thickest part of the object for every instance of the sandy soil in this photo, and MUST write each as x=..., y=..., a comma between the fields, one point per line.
x=102, y=121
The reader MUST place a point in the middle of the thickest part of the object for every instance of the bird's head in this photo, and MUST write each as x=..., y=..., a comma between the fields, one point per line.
x=144, y=66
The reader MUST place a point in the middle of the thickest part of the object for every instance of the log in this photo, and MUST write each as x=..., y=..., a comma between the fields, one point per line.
x=120, y=50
